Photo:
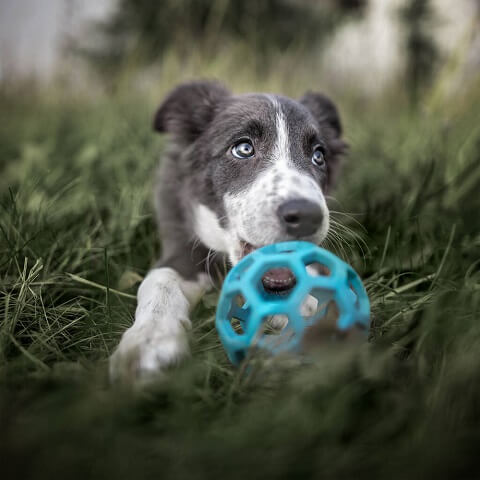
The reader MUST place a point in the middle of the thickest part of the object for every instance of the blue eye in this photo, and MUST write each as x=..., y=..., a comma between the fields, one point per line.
x=318, y=157
x=243, y=149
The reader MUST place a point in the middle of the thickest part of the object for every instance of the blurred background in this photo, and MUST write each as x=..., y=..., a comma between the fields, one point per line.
x=359, y=46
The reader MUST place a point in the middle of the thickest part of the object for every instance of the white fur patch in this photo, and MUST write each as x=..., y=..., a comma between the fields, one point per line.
x=157, y=338
x=208, y=229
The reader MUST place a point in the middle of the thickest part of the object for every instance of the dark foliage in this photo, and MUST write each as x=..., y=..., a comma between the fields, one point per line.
x=422, y=53
x=145, y=29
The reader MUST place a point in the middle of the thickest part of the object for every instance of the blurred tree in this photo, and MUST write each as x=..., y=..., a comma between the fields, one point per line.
x=422, y=52
x=147, y=28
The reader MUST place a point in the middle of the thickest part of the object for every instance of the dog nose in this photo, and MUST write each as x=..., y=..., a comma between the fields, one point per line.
x=300, y=217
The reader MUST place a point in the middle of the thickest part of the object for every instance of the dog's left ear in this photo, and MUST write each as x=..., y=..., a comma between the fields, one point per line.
x=324, y=111
x=189, y=108
x=326, y=114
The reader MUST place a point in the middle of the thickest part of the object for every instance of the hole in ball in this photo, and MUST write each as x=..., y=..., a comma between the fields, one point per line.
x=314, y=304
x=239, y=300
x=317, y=269
x=236, y=325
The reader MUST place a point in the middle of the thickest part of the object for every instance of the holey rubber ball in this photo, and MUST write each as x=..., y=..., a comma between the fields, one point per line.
x=281, y=295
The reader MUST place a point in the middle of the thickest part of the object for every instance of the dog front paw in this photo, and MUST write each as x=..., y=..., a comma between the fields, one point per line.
x=143, y=356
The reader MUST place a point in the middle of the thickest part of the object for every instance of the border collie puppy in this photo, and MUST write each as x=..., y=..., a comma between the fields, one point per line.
x=242, y=171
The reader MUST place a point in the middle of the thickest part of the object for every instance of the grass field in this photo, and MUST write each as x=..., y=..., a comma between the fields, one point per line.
x=77, y=233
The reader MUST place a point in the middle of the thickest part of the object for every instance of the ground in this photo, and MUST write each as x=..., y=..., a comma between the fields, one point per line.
x=78, y=233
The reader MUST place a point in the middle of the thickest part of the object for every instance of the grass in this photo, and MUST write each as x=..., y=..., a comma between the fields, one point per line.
x=77, y=233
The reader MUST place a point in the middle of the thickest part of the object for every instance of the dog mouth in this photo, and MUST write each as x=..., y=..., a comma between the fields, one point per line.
x=276, y=280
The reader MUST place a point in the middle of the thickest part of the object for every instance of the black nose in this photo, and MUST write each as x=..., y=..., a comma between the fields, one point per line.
x=300, y=217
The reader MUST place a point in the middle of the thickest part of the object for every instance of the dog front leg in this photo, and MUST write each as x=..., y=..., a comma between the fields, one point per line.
x=158, y=337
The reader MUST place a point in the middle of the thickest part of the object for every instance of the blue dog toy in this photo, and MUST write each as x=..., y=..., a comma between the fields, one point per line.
x=245, y=305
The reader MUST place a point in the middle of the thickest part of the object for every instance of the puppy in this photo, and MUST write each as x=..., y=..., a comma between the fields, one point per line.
x=241, y=172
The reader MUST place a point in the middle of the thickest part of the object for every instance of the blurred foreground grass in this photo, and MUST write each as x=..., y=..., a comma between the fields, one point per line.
x=77, y=233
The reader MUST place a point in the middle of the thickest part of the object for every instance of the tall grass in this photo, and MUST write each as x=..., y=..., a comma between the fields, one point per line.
x=77, y=233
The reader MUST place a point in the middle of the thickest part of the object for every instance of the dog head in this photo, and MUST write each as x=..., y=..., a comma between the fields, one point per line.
x=257, y=166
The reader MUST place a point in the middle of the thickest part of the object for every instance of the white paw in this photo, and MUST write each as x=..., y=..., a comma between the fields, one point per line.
x=144, y=354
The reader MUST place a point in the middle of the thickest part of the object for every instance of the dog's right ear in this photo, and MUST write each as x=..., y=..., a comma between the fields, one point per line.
x=189, y=108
